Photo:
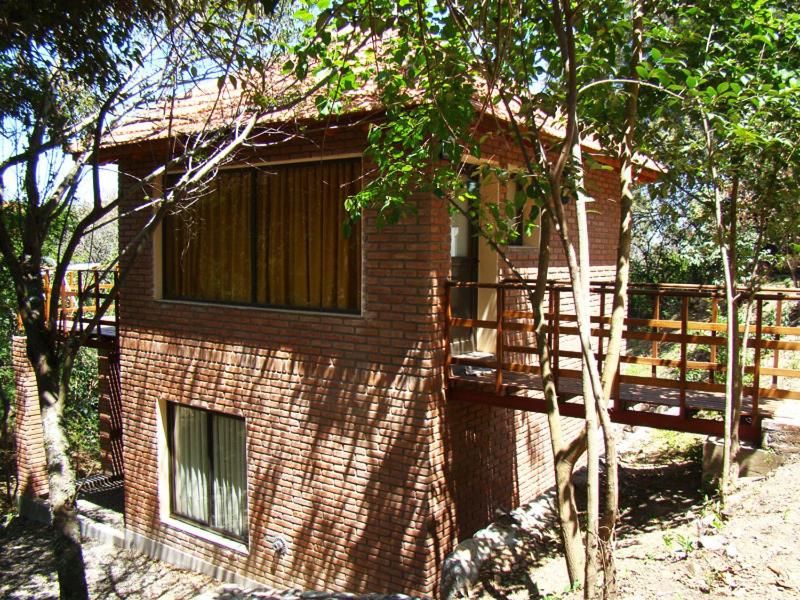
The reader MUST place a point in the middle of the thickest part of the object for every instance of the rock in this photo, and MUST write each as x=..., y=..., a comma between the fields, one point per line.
x=731, y=551
x=694, y=570
x=708, y=520
x=729, y=580
x=714, y=543
x=462, y=567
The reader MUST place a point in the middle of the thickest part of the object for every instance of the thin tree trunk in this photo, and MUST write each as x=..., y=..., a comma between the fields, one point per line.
x=619, y=310
x=590, y=403
x=620, y=305
x=65, y=527
x=593, y=388
x=737, y=379
x=564, y=457
x=732, y=330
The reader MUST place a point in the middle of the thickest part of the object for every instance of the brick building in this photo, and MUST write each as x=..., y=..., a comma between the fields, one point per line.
x=290, y=424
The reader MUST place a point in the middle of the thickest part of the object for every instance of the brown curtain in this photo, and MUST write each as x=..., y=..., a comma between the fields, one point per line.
x=207, y=244
x=303, y=256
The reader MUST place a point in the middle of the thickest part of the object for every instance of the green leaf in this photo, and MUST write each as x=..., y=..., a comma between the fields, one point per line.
x=304, y=15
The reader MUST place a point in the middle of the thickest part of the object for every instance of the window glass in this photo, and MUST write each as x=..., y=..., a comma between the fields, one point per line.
x=209, y=472
x=271, y=236
x=207, y=243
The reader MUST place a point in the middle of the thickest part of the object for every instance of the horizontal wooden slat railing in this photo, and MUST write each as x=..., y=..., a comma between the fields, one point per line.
x=81, y=296
x=694, y=339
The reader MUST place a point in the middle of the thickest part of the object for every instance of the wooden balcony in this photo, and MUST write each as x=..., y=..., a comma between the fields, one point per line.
x=672, y=370
x=84, y=291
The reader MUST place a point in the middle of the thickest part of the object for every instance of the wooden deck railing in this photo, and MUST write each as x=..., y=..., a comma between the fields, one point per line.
x=678, y=331
x=80, y=298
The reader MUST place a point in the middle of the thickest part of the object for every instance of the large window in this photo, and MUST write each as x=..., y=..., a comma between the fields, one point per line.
x=208, y=470
x=271, y=236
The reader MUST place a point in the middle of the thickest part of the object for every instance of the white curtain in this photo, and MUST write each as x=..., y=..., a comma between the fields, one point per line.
x=190, y=445
x=230, y=493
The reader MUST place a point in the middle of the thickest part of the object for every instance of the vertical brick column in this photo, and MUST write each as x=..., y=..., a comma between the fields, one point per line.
x=110, y=409
x=31, y=462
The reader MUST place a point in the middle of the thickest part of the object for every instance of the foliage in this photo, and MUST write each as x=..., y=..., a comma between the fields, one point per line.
x=735, y=75
x=81, y=416
x=671, y=242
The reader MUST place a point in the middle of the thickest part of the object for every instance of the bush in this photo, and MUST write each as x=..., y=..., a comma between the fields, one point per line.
x=82, y=414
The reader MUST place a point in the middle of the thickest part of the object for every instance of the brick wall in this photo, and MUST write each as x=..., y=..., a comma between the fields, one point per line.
x=31, y=461
x=354, y=456
x=335, y=406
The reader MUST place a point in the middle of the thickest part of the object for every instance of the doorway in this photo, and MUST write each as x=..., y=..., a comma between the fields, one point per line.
x=464, y=267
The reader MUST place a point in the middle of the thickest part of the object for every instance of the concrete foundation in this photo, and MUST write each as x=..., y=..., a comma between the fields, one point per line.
x=752, y=461
x=109, y=529
x=782, y=436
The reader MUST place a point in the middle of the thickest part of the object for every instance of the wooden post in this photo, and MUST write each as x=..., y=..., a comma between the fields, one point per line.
x=712, y=372
x=600, y=355
x=619, y=404
x=501, y=308
x=448, y=355
x=684, y=333
x=556, y=294
x=97, y=297
x=79, y=297
x=756, y=359
x=115, y=289
x=550, y=310
x=654, y=345
x=48, y=292
x=776, y=357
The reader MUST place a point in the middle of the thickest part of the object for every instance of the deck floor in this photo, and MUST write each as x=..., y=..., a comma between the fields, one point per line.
x=632, y=397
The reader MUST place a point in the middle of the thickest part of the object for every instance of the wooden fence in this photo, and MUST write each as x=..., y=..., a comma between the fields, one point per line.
x=80, y=298
x=673, y=351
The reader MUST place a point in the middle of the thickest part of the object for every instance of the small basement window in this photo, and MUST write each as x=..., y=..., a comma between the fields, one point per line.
x=208, y=470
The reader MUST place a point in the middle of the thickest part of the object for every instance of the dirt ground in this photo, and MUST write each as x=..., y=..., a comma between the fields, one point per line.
x=674, y=542
x=27, y=571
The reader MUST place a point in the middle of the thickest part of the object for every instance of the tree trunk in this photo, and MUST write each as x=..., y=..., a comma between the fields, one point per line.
x=581, y=296
x=732, y=330
x=619, y=310
x=620, y=306
x=564, y=457
x=593, y=401
x=737, y=376
x=65, y=527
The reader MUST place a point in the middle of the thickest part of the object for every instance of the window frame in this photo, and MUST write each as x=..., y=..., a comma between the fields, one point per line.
x=253, y=169
x=211, y=414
